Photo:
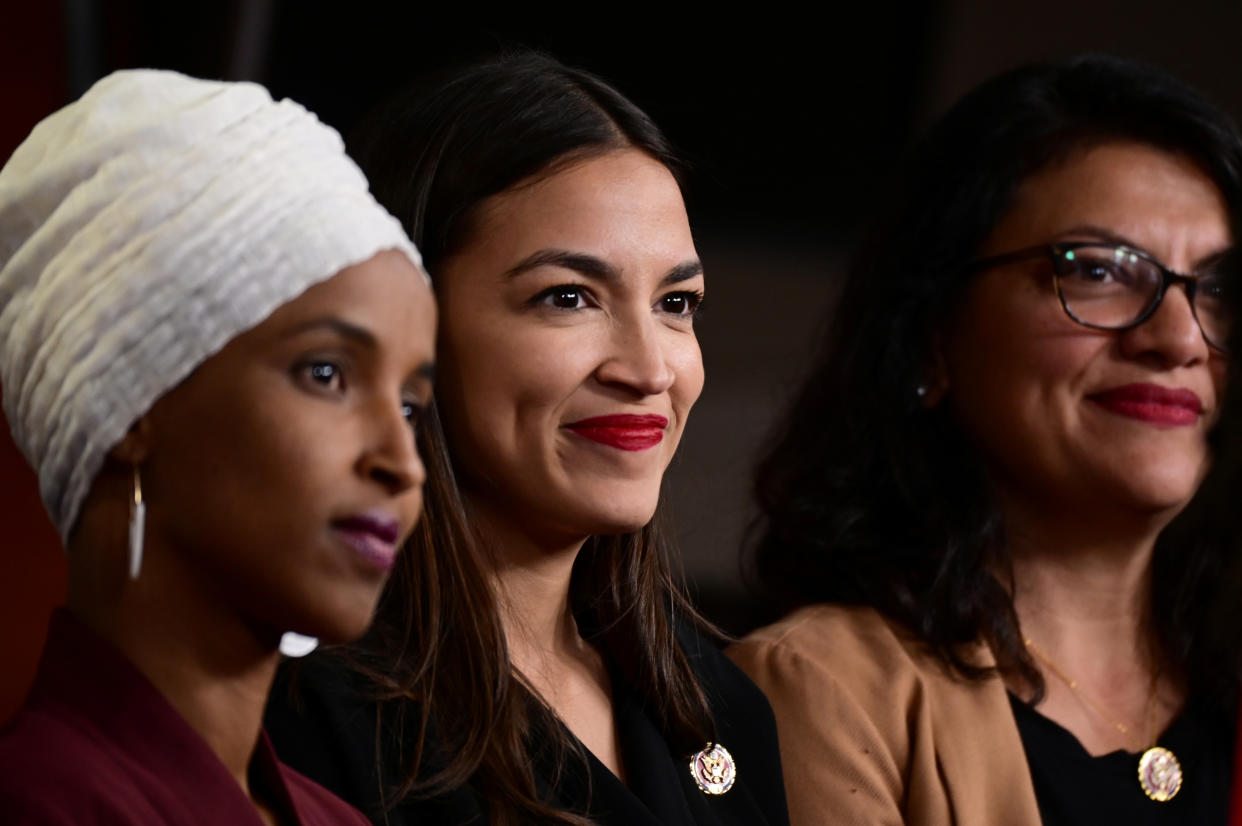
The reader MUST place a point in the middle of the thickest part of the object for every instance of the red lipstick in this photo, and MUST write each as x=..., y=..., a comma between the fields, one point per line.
x=624, y=432
x=1168, y=406
x=372, y=536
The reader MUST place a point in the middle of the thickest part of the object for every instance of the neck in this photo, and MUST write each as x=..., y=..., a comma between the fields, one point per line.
x=532, y=582
x=1061, y=598
x=532, y=577
x=213, y=669
x=1083, y=600
x=1074, y=588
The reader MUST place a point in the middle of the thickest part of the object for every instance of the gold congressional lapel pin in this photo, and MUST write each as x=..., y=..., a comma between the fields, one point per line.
x=713, y=769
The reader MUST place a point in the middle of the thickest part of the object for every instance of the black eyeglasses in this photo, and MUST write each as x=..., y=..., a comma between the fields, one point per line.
x=1112, y=287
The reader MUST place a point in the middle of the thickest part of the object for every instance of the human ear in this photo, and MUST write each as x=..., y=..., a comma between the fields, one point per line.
x=135, y=445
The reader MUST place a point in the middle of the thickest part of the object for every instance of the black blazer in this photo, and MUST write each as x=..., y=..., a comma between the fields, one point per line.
x=323, y=727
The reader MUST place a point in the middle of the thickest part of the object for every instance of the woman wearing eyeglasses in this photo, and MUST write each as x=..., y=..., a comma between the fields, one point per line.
x=972, y=505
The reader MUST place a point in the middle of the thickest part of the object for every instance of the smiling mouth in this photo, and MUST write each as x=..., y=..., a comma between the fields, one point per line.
x=624, y=432
x=372, y=537
x=1168, y=406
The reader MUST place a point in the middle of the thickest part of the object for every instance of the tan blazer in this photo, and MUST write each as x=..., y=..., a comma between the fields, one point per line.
x=873, y=730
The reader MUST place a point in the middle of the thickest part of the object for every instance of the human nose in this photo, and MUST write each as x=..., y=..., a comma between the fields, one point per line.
x=390, y=455
x=637, y=358
x=1172, y=335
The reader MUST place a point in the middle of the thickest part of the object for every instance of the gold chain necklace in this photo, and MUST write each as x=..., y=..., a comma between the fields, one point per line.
x=1159, y=771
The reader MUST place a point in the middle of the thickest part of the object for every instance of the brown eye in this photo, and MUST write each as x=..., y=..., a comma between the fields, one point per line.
x=563, y=297
x=322, y=375
x=681, y=303
x=1100, y=269
x=325, y=374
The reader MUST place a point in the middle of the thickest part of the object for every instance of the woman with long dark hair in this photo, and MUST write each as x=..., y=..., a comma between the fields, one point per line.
x=213, y=345
x=972, y=503
x=570, y=682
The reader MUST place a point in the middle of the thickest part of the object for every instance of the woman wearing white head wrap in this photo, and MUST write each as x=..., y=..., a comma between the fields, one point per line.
x=213, y=344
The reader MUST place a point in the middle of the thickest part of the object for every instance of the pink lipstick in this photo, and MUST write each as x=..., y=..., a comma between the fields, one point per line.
x=624, y=432
x=1168, y=406
x=373, y=536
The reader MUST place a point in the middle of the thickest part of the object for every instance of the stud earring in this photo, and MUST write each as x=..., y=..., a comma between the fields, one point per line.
x=137, y=526
x=920, y=390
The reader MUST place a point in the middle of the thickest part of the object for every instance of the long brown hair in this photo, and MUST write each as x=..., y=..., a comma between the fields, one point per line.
x=437, y=655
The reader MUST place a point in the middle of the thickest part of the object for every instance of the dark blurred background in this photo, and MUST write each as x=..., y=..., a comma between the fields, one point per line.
x=790, y=120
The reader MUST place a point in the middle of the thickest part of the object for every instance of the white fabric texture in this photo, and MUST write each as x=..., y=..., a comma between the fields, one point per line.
x=141, y=229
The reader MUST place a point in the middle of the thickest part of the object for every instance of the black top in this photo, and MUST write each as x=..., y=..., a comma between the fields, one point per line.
x=323, y=727
x=1075, y=789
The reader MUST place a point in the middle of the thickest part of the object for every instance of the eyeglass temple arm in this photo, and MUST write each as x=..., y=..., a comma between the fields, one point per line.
x=1050, y=250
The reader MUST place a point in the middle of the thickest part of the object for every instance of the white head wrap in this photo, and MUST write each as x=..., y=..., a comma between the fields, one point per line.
x=141, y=229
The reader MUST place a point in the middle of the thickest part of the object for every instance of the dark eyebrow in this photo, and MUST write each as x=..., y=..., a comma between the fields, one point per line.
x=1101, y=234
x=1209, y=261
x=682, y=272
x=583, y=264
x=342, y=328
x=426, y=371
x=1110, y=237
x=596, y=268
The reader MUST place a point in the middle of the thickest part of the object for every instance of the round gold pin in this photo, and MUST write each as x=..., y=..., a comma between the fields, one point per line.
x=1160, y=774
x=713, y=769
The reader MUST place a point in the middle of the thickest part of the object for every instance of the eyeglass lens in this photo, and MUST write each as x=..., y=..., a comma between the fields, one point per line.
x=1111, y=288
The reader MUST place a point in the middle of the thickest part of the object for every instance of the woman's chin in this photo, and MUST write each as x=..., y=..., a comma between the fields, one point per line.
x=622, y=520
x=1169, y=489
x=330, y=623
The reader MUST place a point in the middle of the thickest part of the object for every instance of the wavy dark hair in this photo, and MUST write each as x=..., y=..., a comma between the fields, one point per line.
x=437, y=656
x=870, y=498
x=1213, y=519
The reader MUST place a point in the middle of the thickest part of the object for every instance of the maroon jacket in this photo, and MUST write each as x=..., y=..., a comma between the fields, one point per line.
x=96, y=743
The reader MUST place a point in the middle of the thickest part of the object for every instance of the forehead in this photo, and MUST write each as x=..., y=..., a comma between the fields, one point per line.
x=619, y=204
x=1162, y=201
x=385, y=295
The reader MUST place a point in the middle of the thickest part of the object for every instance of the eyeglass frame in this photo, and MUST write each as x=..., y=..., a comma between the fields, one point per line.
x=1055, y=251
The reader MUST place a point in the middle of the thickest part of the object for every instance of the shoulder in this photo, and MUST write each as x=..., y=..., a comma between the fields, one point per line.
x=53, y=772
x=876, y=729
x=866, y=664
x=847, y=664
x=854, y=707
x=843, y=685
x=853, y=643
